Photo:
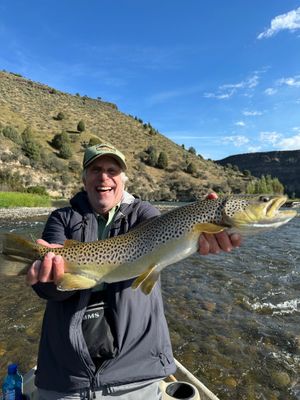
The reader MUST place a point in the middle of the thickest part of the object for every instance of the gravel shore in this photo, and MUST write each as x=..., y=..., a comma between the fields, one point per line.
x=24, y=212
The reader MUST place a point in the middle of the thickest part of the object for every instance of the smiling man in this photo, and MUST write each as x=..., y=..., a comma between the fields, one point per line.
x=104, y=177
x=109, y=341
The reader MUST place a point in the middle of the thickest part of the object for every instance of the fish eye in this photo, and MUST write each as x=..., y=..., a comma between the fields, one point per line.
x=264, y=199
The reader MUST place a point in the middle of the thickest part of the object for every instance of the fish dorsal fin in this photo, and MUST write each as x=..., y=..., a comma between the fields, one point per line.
x=75, y=282
x=71, y=243
x=147, y=280
x=208, y=228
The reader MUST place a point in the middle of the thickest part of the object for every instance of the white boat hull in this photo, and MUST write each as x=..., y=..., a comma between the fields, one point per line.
x=182, y=376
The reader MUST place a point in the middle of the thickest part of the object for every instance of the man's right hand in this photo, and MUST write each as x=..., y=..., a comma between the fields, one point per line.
x=50, y=269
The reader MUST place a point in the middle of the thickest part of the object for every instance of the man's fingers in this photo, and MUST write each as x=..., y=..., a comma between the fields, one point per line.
x=45, y=274
x=50, y=245
x=236, y=239
x=219, y=242
x=223, y=241
x=33, y=273
x=208, y=244
x=58, y=268
x=212, y=243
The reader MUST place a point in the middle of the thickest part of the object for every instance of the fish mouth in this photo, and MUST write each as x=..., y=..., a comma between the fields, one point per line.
x=274, y=214
x=263, y=213
x=273, y=205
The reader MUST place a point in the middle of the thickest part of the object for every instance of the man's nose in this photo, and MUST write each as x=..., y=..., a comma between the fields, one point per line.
x=103, y=175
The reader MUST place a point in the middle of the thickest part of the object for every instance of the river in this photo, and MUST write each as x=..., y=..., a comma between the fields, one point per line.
x=234, y=318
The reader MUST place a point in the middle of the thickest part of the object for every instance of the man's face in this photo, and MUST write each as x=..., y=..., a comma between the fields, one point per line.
x=103, y=183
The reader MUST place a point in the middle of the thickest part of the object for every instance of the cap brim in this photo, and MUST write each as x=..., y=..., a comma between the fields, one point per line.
x=112, y=155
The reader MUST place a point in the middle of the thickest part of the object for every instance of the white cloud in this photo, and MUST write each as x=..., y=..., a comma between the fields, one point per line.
x=227, y=90
x=218, y=96
x=270, y=137
x=291, y=81
x=252, y=113
x=291, y=143
x=289, y=21
x=270, y=91
x=247, y=83
x=279, y=141
x=236, y=140
x=254, y=149
x=240, y=123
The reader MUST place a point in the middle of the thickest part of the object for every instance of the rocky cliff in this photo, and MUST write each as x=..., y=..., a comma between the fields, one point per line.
x=285, y=165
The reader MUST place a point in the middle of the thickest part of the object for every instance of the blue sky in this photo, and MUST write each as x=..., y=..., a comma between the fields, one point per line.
x=221, y=76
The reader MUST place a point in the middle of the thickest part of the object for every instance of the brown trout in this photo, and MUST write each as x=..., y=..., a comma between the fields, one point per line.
x=144, y=251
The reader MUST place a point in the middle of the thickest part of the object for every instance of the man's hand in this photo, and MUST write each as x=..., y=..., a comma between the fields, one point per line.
x=50, y=269
x=219, y=242
x=222, y=241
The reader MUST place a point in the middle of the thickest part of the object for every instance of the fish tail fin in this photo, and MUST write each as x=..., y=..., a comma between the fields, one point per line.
x=20, y=250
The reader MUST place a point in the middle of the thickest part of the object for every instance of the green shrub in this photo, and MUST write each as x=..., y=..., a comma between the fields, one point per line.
x=59, y=139
x=60, y=116
x=32, y=151
x=52, y=163
x=191, y=168
x=11, y=180
x=192, y=150
x=12, y=134
x=265, y=185
x=162, y=161
x=152, y=158
x=7, y=157
x=93, y=141
x=30, y=148
x=65, y=151
x=81, y=126
x=41, y=190
x=74, y=166
x=247, y=173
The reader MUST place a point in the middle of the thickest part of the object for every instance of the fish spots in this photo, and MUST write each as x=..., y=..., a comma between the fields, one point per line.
x=154, y=233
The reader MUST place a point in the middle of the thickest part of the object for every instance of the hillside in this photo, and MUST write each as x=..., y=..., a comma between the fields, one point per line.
x=25, y=104
x=285, y=165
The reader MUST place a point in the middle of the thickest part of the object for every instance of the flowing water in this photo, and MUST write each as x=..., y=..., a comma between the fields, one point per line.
x=234, y=318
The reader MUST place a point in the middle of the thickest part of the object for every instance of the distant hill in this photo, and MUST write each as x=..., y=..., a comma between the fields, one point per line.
x=44, y=112
x=285, y=165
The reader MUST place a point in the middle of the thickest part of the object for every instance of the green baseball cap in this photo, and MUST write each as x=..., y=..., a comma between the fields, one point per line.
x=93, y=152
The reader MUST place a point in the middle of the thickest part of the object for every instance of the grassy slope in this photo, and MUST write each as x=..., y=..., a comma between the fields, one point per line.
x=25, y=103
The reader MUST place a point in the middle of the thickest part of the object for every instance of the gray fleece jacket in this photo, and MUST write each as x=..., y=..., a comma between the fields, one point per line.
x=140, y=330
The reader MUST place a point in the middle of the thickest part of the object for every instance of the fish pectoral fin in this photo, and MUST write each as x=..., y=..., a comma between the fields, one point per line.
x=147, y=280
x=75, y=282
x=71, y=243
x=208, y=228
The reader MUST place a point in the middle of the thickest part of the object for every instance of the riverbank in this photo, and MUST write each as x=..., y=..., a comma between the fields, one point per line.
x=29, y=212
x=24, y=212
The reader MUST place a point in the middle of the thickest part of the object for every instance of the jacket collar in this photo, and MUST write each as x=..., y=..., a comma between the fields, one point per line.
x=80, y=203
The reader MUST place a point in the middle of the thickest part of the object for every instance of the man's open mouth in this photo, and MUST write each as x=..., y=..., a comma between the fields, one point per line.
x=103, y=189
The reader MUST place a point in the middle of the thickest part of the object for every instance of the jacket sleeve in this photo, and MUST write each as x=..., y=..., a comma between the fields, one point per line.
x=54, y=232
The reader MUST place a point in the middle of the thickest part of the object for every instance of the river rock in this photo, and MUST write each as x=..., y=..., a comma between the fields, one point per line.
x=280, y=379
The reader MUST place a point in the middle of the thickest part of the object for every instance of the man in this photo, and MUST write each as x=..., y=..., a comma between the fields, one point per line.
x=110, y=341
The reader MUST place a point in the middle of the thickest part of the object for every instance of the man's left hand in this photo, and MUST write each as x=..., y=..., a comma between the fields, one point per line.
x=214, y=244
x=209, y=243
